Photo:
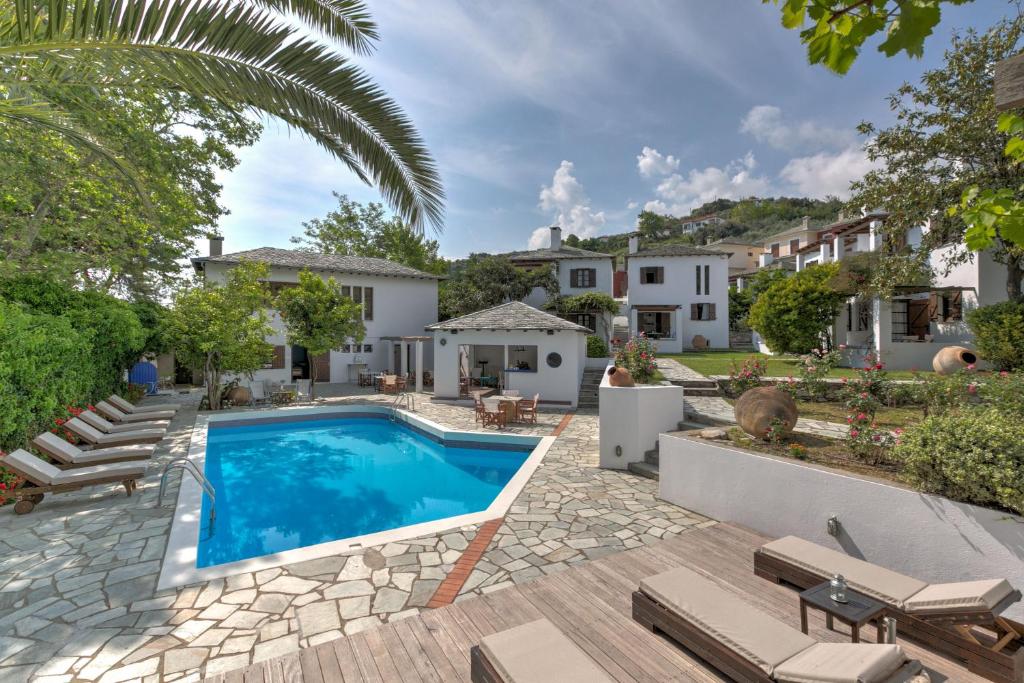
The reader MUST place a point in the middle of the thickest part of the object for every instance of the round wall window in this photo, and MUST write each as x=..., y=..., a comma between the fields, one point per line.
x=554, y=360
x=443, y=341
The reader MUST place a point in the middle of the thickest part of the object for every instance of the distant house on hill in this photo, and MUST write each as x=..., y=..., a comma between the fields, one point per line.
x=694, y=223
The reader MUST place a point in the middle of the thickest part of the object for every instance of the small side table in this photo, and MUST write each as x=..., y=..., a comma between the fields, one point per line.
x=857, y=611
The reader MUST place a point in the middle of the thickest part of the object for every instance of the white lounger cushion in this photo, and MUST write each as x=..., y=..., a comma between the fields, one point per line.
x=963, y=596
x=104, y=425
x=45, y=474
x=97, y=437
x=538, y=652
x=69, y=454
x=121, y=416
x=758, y=637
x=843, y=663
x=127, y=407
x=878, y=582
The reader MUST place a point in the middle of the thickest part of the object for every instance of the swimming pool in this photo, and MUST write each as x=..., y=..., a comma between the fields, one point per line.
x=295, y=484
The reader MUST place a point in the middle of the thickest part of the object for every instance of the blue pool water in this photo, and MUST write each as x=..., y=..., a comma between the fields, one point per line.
x=282, y=486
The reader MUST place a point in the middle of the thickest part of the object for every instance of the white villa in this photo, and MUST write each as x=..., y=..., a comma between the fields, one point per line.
x=677, y=292
x=398, y=302
x=512, y=345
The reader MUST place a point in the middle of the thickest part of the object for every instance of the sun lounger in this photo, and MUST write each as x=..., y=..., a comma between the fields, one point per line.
x=942, y=616
x=747, y=644
x=99, y=422
x=42, y=478
x=70, y=455
x=96, y=438
x=127, y=407
x=116, y=415
x=536, y=652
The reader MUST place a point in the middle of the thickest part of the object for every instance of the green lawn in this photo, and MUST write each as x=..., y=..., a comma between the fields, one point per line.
x=713, y=362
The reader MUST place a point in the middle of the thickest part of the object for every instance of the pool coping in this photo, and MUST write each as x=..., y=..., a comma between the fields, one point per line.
x=178, y=566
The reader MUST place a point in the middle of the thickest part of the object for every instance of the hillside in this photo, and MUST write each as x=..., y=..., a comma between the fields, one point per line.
x=752, y=219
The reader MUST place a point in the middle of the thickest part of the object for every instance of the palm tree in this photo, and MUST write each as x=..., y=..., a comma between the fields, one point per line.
x=250, y=55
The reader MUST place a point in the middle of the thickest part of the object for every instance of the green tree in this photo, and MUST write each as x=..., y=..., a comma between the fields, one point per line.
x=603, y=306
x=222, y=328
x=482, y=281
x=835, y=30
x=794, y=314
x=317, y=317
x=943, y=142
x=354, y=229
x=68, y=215
x=650, y=224
x=263, y=56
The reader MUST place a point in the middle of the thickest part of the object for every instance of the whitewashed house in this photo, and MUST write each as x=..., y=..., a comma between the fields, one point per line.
x=514, y=346
x=677, y=292
x=579, y=271
x=907, y=331
x=398, y=302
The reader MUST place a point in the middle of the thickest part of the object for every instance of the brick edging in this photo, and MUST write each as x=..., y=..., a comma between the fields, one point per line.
x=563, y=424
x=449, y=589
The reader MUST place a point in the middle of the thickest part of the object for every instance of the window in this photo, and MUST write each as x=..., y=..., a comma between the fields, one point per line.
x=346, y=348
x=367, y=303
x=367, y=348
x=702, y=312
x=946, y=307
x=655, y=324
x=794, y=246
x=522, y=358
x=652, y=275
x=706, y=280
x=698, y=280
x=587, y=320
x=346, y=291
x=357, y=295
x=583, y=277
x=863, y=316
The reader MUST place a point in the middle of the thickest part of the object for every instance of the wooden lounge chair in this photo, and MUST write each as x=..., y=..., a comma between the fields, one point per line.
x=125, y=406
x=98, y=439
x=45, y=478
x=114, y=414
x=536, y=652
x=747, y=644
x=70, y=455
x=528, y=409
x=493, y=414
x=99, y=422
x=944, y=617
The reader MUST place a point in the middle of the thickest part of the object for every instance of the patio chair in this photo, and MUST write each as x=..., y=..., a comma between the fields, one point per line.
x=478, y=409
x=114, y=414
x=747, y=644
x=127, y=407
x=390, y=384
x=45, y=478
x=535, y=652
x=69, y=455
x=492, y=414
x=96, y=420
x=528, y=409
x=940, y=615
x=303, y=392
x=95, y=437
x=258, y=393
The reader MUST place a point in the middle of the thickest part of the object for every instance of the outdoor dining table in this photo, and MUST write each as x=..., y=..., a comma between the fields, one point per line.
x=509, y=406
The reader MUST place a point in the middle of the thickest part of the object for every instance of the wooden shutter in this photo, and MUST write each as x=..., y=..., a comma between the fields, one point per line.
x=712, y=315
x=367, y=303
x=707, y=280
x=591, y=277
x=933, y=306
x=775, y=251
x=322, y=367
x=698, y=280
x=849, y=317
x=955, y=306
x=694, y=311
x=346, y=291
x=277, y=363
x=660, y=274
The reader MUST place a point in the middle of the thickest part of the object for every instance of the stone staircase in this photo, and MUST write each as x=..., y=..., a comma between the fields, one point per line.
x=741, y=339
x=620, y=332
x=589, y=388
x=698, y=387
x=648, y=467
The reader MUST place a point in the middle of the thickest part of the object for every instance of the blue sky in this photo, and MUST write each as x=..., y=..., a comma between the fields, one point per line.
x=583, y=113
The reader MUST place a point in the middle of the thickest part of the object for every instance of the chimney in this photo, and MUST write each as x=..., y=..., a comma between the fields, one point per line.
x=556, y=238
x=216, y=245
x=807, y=223
x=634, y=243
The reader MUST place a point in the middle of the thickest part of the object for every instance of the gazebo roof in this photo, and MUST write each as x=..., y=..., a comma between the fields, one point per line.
x=514, y=315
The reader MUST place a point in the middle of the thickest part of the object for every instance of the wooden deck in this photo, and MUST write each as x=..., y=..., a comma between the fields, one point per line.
x=590, y=603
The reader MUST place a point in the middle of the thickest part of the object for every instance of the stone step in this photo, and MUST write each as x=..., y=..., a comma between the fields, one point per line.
x=687, y=425
x=644, y=469
x=698, y=384
x=700, y=391
x=652, y=457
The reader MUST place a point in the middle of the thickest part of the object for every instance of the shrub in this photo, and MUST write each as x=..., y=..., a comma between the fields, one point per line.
x=940, y=394
x=746, y=376
x=814, y=368
x=974, y=455
x=1004, y=392
x=863, y=397
x=795, y=313
x=999, y=333
x=596, y=347
x=638, y=356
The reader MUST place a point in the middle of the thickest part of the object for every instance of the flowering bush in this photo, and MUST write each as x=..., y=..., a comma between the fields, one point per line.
x=863, y=397
x=814, y=368
x=8, y=482
x=745, y=377
x=638, y=356
x=798, y=451
x=776, y=431
x=58, y=424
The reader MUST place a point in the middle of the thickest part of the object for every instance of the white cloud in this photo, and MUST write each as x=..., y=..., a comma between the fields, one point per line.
x=651, y=163
x=678, y=194
x=566, y=200
x=767, y=125
x=825, y=174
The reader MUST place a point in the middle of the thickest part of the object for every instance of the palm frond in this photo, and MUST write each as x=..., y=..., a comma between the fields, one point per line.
x=243, y=56
x=347, y=21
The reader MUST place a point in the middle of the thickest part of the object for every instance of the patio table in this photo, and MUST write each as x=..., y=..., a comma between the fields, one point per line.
x=509, y=406
x=858, y=610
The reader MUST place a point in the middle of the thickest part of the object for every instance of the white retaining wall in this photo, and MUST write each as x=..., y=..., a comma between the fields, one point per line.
x=926, y=536
x=631, y=419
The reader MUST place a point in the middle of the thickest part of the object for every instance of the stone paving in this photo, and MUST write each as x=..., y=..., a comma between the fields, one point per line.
x=78, y=575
